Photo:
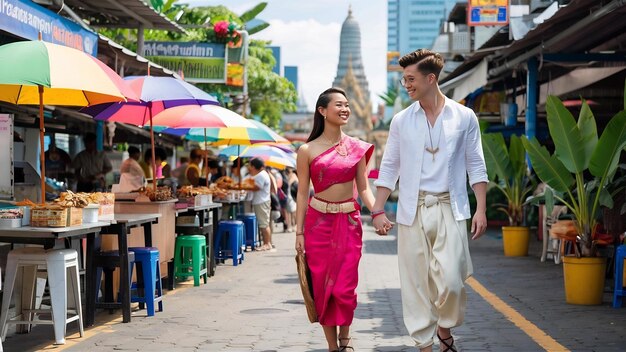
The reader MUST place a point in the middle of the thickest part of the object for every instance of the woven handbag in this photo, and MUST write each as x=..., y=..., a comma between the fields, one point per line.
x=304, y=274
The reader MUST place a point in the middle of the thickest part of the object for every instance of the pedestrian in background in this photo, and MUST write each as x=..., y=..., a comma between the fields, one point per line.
x=329, y=229
x=261, y=201
x=433, y=145
x=90, y=166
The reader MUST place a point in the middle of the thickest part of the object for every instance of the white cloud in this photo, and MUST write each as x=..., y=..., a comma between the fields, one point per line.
x=311, y=46
x=308, y=33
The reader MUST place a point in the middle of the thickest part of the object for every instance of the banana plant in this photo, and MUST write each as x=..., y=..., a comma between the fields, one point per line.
x=506, y=169
x=577, y=151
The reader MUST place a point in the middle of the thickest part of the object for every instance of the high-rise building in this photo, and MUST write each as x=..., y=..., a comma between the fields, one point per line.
x=291, y=73
x=414, y=24
x=351, y=77
x=276, y=54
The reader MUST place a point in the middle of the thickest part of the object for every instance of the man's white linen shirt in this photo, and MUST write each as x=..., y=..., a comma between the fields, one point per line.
x=403, y=157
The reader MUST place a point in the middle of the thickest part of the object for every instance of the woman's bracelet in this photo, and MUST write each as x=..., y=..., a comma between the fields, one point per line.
x=377, y=213
x=299, y=233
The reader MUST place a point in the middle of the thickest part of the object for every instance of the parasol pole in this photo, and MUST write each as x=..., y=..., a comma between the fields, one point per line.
x=239, y=165
x=154, y=168
x=42, y=157
x=206, y=158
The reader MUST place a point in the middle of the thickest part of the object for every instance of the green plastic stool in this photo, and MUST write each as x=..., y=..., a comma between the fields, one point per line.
x=190, y=258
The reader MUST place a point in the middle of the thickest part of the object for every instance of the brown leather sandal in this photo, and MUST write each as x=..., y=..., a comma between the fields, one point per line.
x=448, y=346
x=345, y=347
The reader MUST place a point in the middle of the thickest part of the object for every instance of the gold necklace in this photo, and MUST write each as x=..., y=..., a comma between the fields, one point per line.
x=432, y=150
x=340, y=148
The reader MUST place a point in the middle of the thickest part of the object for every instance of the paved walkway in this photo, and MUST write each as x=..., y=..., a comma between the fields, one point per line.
x=257, y=307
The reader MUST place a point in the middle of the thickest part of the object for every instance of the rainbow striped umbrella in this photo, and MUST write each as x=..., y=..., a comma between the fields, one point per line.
x=38, y=73
x=272, y=155
x=260, y=133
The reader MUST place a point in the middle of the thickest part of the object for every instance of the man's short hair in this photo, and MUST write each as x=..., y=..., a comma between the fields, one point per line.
x=195, y=154
x=427, y=61
x=89, y=137
x=257, y=163
x=133, y=150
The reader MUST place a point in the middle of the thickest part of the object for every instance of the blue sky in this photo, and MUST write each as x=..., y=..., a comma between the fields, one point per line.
x=308, y=34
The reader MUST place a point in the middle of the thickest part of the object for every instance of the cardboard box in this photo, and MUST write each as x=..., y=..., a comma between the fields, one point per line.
x=57, y=217
x=74, y=216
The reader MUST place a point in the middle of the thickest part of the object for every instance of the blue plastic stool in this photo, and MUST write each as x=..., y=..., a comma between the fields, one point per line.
x=251, y=229
x=229, y=240
x=148, y=278
x=620, y=292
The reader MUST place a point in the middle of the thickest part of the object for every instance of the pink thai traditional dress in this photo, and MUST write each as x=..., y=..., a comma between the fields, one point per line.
x=333, y=241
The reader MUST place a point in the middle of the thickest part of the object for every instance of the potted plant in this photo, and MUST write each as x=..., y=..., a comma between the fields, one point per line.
x=507, y=171
x=578, y=152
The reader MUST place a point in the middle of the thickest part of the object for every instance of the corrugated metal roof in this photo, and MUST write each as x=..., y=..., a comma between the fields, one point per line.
x=122, y=14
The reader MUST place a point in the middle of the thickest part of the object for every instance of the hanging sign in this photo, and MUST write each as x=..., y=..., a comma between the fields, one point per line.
x=6, y=156
x=199, y=62
x=26, y=19
x=488, y=12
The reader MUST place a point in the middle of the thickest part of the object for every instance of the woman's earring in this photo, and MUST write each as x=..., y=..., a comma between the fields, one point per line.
x=324, y=117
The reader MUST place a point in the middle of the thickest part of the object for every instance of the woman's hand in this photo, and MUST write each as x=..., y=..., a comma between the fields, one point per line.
x=300, y=243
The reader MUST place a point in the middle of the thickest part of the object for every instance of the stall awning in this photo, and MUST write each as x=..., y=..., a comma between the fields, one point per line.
x=459, y=87
x=575, y=80
x=122, y=14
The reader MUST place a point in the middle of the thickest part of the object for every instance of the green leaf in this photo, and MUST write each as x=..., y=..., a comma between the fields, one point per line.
x=496, y=157
x=548, y=167
x=483, y=125
x=605, y=199
x=606, y=156
x=549, y=196
x=252, y=13
x=517, y=154
x=568, y=141
x=258, y=28
x=588, y=131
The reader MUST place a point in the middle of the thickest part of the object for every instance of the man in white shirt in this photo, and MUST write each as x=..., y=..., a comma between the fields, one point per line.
x=433, y=146
x=261, y=201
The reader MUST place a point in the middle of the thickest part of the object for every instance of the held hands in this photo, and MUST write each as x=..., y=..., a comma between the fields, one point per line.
x=382, y=224
x=479, y=225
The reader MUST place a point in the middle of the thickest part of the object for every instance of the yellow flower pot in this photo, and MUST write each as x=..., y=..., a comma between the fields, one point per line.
x=515, y=241
x=584, y=279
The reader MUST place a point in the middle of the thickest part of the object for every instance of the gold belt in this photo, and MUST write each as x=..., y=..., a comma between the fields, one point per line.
x=332, y=208
x=429, y=199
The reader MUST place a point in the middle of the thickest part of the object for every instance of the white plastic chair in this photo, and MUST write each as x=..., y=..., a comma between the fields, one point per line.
x=59, y=263
x=552, y=246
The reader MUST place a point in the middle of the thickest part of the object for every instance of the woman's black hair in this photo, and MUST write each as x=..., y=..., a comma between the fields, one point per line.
x=318, y=119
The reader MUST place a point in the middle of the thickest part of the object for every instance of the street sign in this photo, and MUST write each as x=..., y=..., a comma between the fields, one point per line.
x=199, y=62
x=488, y=12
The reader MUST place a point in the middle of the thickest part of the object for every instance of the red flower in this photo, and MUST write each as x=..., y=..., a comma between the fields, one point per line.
x=221, y=28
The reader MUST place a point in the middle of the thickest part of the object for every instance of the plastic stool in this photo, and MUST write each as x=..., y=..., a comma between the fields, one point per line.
x=148, y=278
x=620, y=291
x=60, y=263
x=230, y=248
x=190, y=253
x=108, y=261
x=251, y=229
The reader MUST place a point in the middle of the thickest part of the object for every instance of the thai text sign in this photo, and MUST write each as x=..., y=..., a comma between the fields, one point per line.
x=6, y=157
x=488, y=12
x=199, y=62
x=26, y=19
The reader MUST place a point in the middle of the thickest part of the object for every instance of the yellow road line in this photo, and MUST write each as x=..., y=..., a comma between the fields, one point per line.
x=530, y=329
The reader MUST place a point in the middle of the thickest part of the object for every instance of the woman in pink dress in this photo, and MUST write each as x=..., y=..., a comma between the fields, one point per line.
x=328, y=225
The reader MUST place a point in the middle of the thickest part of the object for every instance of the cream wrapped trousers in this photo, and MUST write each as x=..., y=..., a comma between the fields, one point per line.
x=434, y=261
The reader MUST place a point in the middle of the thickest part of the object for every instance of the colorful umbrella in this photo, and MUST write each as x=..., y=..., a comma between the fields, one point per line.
x=260, y=133
x=179, y=119
x=157, y=94
x=272, y=155
x=205, y=116
x=255, y=150
x=38, y=73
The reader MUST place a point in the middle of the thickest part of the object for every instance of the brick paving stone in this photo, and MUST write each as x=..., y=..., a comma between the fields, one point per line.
x=257, y=306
